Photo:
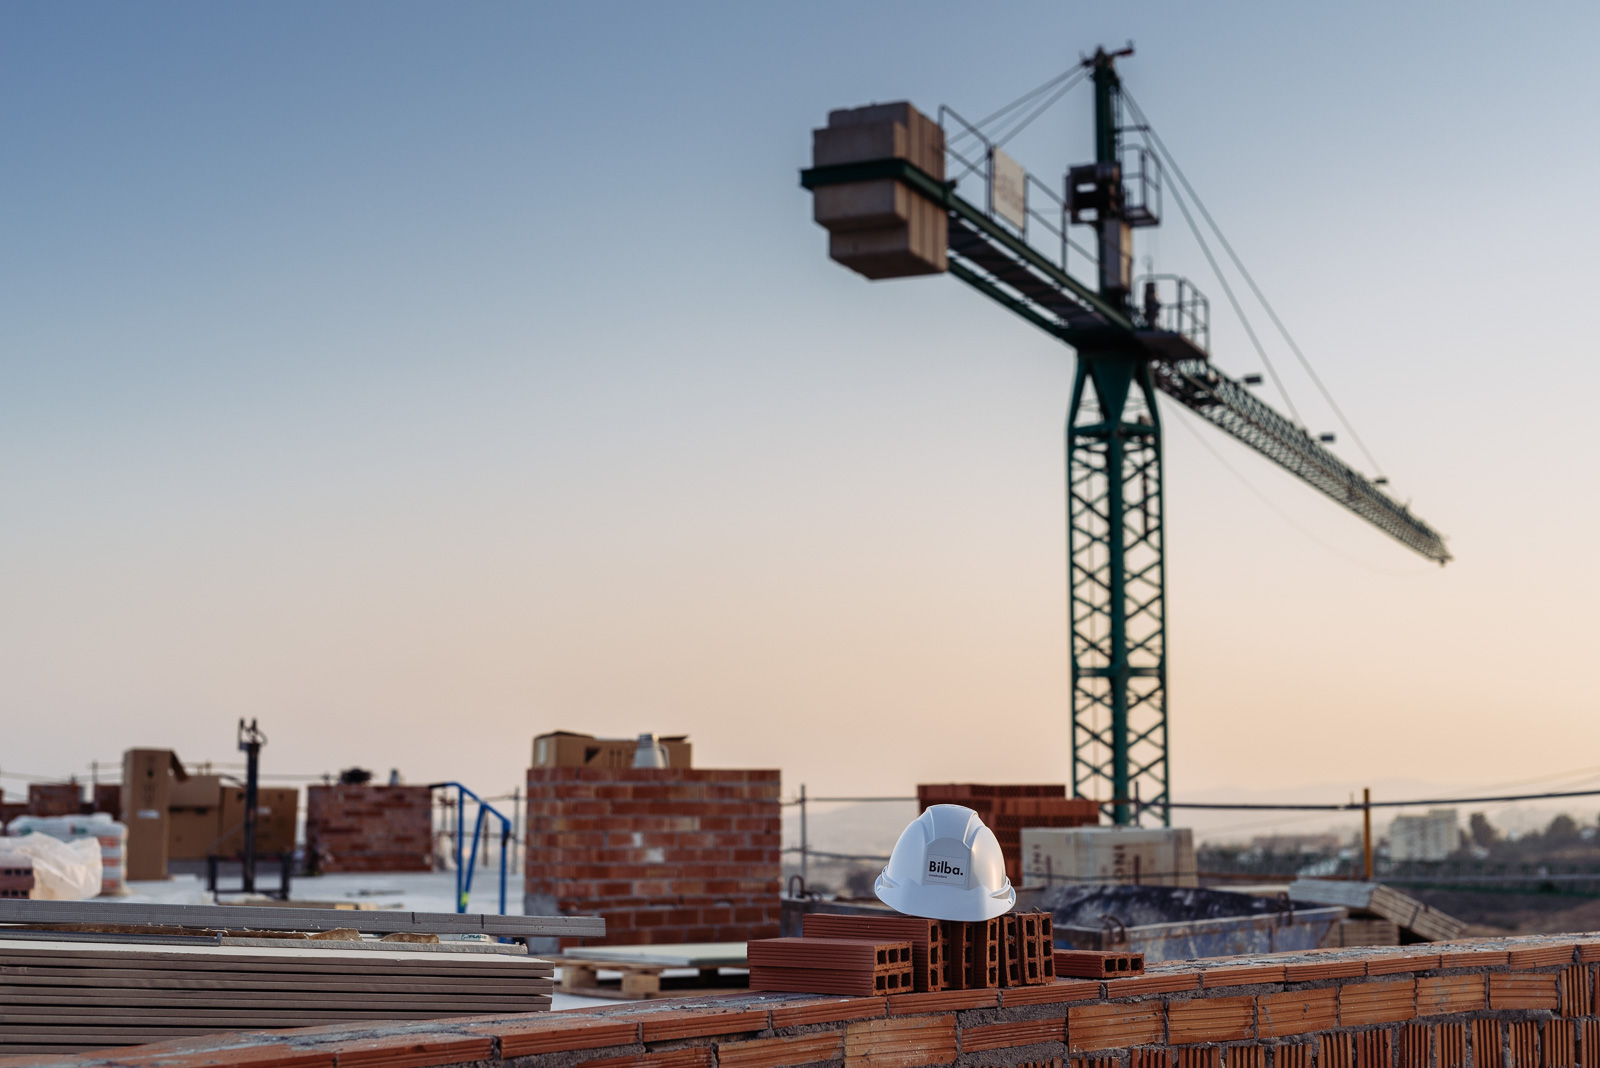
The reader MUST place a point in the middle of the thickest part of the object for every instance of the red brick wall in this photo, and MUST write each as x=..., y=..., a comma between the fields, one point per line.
x=369, y=828
x=664, y=854
x=1007, y=809
x=54, y=798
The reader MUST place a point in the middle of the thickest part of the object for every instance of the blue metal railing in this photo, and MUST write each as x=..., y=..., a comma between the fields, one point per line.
x=466, y=865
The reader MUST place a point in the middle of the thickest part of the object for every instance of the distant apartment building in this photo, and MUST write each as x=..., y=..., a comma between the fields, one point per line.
x=1431, y=837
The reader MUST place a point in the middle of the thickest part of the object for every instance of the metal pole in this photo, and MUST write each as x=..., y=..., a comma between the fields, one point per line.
x=250, y=741
x=516, y=824
x=461, y=822
x=1366, y=832
x=802, y=836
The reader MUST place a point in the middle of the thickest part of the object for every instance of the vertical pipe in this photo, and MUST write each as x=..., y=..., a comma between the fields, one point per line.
x=516, y=826
x=461, y=821
x=803, y=845
x=1366, y=832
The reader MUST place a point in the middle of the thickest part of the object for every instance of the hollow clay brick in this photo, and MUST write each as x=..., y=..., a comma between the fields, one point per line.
x=1474, y=958
x=1446, y=994
x=1560, y=1044
x=1095, y=1027
x=1452, y=1045
x=1371, y=1049
x=547, y=1033
x=826, y=1010
x=1197, y=1057
x=900, y=1042
x=1211, y=1020
x=1523, y=1042
x=778, y=1052
x=692, y=1023
x=1298, y=1012
x=1242, y=975
x=1487, y=1048
x=410, y=1051
x=1415, y=1048
x=694, y=1057
x=1365, y=1004
x=1530, y=991
x=1251, y=1056
x=1051, y=993
x=1333, y=1051
x=1391, y=963
x=1297, y=1055
x=1160, y=983
x=943, y=1001
x=1541, y=956
x=1020, y=1033
x=1576, y=997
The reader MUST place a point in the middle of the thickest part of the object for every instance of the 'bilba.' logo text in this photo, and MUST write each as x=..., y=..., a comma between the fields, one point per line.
x=943, y=867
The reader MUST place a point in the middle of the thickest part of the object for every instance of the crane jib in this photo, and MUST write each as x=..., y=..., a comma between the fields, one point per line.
x=1012, y=273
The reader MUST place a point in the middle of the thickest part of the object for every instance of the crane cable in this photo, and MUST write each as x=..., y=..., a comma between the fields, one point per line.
x=1031, y=94
x=1244, y=319
x=1001, y=139
x=1305, y=363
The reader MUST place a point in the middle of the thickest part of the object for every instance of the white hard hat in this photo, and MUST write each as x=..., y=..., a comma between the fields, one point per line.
x=947, y=866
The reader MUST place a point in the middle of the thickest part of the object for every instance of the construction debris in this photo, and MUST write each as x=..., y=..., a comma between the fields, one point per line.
x=1423, y=923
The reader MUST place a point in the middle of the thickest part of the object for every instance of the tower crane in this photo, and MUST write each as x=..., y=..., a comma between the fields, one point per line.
x=879, y=186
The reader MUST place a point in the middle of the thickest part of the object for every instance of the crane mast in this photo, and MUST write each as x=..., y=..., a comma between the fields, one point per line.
x=1115, y=516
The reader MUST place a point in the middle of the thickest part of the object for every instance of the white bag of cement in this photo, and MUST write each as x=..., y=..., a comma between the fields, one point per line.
x=62, y=871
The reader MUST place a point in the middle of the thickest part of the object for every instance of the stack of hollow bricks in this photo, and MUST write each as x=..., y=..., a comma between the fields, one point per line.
x=665, y=855
x=368, y=827
x=1513, y=1003
x=1016, y=949
x=1006, y=810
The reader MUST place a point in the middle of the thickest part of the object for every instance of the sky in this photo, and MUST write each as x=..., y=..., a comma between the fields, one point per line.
x=420, y=378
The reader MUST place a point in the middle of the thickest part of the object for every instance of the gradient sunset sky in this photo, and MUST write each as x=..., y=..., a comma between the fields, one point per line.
x=419, y=378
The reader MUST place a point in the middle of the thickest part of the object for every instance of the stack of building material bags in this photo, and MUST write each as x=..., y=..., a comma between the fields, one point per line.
x=110, y=839
x=79, y=990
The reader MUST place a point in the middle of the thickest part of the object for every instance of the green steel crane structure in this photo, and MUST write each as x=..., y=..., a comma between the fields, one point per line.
x=1127, y=352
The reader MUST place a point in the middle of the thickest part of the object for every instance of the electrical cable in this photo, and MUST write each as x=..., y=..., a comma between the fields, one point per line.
x=1305, y=363
x=1357, y=806
x=1244, y=320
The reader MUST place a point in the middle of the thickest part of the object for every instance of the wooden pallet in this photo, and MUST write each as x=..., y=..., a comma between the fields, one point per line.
x=642, y=970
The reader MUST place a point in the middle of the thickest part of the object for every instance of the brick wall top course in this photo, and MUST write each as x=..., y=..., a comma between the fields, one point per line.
x=981, y=1029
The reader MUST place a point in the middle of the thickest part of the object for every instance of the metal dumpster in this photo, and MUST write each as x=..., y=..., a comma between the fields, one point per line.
x=1178, y=922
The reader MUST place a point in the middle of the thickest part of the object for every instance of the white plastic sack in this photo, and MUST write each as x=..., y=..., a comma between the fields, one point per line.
x=62, y=871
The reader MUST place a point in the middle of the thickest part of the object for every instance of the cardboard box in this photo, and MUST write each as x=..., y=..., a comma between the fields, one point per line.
x=191, y=832
x=276, y=810
x=568, y=749
x=147, y=777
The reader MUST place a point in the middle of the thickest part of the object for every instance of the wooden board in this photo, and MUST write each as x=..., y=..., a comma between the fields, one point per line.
x=71, y=995
x=295, y=919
